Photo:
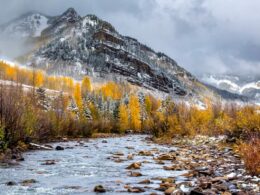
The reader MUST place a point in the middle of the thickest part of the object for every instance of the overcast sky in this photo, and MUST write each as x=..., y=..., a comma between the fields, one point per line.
x=216, y=36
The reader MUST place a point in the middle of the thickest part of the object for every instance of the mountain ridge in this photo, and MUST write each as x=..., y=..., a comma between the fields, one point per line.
x=76, y=45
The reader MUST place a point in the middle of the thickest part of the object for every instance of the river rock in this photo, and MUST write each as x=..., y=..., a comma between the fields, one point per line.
x=145, y=153
x=10, y=183
x=166, y=157
x=135, y=174
x=164, y=186
x=59, y=148
x=221, y=187
x=197, y=191
x=118, y=154
x=99, y=189
x=104, y=141
x=129, y=147
x=119, y=160
x=160, y=162
x=226, y=193
x=134, y=166
x=178, y=192
x=28, y=182
x=167, y=180
x=205, y=185
x=169, y=191
x=49, y=162
x=130, y=156
x=146, y=181
x=136, y=190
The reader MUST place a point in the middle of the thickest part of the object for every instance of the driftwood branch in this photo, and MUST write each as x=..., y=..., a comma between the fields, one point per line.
x=40, y=146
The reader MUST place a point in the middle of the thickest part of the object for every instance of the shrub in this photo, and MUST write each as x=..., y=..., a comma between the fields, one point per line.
x=250, y=153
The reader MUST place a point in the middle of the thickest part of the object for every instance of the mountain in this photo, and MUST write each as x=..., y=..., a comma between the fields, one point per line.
x=246, y=86
x=73, y=45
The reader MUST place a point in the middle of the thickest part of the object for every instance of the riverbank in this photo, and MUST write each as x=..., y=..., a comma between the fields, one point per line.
x=133, y=163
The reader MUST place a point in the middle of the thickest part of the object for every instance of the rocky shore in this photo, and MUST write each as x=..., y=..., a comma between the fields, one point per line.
x=212, y=168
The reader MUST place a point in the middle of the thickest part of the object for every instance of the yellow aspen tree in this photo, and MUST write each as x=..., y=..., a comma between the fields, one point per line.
x=85, y=85
x=123, y=118
x=135, y=117
x=77, y=96
x=148, y=104
x=111, y=90
x=10, y=73
x=39, y=78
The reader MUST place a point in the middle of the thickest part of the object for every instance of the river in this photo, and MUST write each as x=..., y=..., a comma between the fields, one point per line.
x=82, y=166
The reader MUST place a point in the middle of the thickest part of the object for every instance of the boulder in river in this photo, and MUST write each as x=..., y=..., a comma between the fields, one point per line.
x=59, y=148
x=134, y=166
x=169, y=191
x=99, y=189
x=10, y=183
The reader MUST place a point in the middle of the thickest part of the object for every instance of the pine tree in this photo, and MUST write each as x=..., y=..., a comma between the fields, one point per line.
x=42, y=100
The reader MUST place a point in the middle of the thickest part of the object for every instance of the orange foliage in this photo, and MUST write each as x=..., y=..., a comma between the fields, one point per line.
x=134, y=109
x=250, y=153
x=111, y=90
x=123, y=117
x=77, y=95
x=85, y=85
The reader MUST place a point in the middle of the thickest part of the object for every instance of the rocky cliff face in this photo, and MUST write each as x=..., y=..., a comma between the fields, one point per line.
x=77, y=46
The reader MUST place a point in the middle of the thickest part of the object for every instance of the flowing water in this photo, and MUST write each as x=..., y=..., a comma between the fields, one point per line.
x=79, y=169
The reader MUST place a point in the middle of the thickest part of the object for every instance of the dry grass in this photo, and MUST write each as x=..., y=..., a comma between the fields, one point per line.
x=250, y=153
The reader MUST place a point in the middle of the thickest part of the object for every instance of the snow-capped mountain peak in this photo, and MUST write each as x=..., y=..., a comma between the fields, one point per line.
x=28, y=25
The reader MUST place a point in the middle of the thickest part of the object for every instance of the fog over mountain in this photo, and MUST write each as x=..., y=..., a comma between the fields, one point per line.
x=202, y=36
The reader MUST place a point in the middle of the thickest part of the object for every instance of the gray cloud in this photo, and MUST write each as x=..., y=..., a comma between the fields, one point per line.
x=201, y=35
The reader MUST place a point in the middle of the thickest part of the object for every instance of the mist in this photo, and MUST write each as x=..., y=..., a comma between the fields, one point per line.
x=216, y=36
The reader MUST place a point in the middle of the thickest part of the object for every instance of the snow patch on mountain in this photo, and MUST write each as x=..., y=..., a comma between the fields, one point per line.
x=29, y=25
x=42, y=24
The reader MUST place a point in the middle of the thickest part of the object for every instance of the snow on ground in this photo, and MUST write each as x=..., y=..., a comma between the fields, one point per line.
x=28, y=87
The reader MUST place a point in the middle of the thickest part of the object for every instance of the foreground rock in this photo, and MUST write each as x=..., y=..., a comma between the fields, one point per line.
x=28, y=182
x=136, y=190
x=99, y=189
x=59, y=148
x=134, y=166
x=49, y=162
x=10, y=183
